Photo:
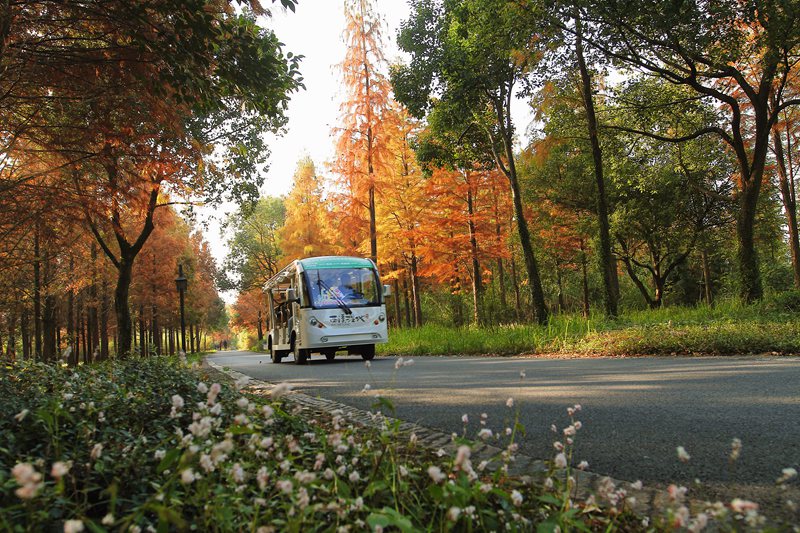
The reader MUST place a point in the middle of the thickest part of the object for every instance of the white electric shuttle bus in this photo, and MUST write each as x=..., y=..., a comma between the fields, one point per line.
x=326, y=304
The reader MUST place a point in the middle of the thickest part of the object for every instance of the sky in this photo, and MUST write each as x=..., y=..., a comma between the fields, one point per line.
x=314, y=31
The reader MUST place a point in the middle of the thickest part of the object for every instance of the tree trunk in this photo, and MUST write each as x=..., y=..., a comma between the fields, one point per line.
x=415, y=291
x=585, y=280
x=11, y=347
x=605, y=257
x=104, y=347
x=71, y=360
x=143, y=347
x=396, y=297
x=49, y=318
x=750, y=277
x=37, y=297
x=260, y=329
x=121, y=309
x=477, y=282
x=508, y=167
x=171, y=341
x=789, y=204
x=534, y=281
x=515, y=283
x=406, y=301
x=94, y=322
x=707, y=288
x=560, y=289
x=24, y=328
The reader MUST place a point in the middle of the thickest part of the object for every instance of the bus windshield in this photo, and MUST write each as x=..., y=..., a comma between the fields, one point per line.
x=342, y=287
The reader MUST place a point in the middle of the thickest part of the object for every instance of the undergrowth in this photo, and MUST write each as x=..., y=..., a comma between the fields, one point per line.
x=728, y=328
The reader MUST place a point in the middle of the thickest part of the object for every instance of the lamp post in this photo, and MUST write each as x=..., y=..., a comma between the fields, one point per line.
x=181, y=283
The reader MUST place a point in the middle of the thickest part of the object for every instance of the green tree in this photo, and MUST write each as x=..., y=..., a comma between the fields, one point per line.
x=467, y=60
x=254, y=247
x=738, y=55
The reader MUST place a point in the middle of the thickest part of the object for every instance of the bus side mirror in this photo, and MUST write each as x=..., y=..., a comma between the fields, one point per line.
x=291, y=295
x=387, y=291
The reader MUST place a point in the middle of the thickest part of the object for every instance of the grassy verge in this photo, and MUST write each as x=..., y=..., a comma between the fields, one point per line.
x=728, y=328
x=148, y=445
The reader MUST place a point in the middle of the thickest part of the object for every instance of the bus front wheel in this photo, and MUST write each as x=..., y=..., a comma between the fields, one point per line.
x=300, y=355
x=275, y=355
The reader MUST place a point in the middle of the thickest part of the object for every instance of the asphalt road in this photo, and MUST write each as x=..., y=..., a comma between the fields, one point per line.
x=635, y=412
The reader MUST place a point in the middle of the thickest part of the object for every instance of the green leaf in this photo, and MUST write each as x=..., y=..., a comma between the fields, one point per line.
x=169, y=460
x=389, y=517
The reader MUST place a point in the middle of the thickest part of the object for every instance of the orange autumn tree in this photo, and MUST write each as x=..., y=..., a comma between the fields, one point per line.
x=402, y=210
x=462, y=230
x=362, y=145
x=308, y=229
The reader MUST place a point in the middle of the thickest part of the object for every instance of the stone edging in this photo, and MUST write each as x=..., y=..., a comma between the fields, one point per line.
x=647, y=501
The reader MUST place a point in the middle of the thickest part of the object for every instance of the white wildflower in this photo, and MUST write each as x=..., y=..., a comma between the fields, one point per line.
x=237, y=472
x=242, y=382
x=108, y=520
x=683, y=456
x=213, y=393
x=736, y=449
x=73, y=526
x=187, y=476
x=97, y=451
x=465, y=419
x=202, y=388
x=60, y=469
x=243, y=403
x=560, y=461
x=485, y=434
x=19, y=417
x=510, y=402
x=281, y=389
x=436, y=474
x=786, y=475
x=516, y=498
x=583, y=465
x=453, y=513
x=284, y=485
x=366, y=388
x=206, y=463
x=28, y=478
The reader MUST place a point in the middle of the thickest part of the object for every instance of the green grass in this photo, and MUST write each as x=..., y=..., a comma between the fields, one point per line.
x=725, y=329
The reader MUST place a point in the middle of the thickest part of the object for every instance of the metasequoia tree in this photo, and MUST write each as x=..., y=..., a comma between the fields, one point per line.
x=362, y=144
x=308, y=229
x=403, y=210
x=138, y=93
x=465, y=66
x=739, y=56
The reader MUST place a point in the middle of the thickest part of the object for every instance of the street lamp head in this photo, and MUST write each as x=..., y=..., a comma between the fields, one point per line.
x=181, y=282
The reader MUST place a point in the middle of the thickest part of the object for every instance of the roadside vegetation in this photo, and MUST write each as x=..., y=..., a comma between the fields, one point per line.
x=149, y=444
x=727, y=328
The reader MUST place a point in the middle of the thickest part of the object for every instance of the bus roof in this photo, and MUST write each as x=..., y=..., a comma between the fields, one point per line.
x=335, y=261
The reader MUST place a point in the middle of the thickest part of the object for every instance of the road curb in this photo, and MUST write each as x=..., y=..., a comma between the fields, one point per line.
x=644, y=502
